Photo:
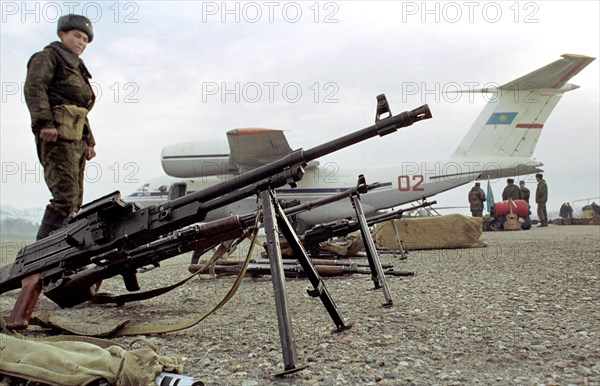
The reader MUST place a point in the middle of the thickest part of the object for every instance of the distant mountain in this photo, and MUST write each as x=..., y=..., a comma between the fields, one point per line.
x=32, y=214
x=19, y=222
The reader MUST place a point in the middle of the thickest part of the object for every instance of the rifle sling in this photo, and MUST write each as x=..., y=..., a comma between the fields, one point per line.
x=126, y=329
x=106, y=298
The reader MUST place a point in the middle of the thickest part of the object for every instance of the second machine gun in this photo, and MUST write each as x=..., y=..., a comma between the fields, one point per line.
x=323, y=232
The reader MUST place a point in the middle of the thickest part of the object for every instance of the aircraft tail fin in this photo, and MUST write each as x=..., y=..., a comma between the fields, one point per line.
x=513, y=119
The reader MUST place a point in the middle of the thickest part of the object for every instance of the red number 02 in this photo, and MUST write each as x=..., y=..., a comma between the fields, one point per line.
x=404, y=183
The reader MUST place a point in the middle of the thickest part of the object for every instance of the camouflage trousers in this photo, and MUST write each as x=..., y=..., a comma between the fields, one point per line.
x=64, y=168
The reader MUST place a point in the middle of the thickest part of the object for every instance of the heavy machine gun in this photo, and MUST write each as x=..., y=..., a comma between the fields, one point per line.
x=106, y=231
x=199, y=238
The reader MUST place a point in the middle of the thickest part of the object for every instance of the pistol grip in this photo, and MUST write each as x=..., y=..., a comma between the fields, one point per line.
x=131, y=280
x=31, y=288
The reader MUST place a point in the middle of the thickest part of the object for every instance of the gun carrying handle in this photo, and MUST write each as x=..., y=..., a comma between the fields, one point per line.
x=31, y=288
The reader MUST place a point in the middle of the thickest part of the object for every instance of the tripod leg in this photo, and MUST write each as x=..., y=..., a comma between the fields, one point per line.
x=311, y=273
x=400, y=247
x=374, y=262
x=286, y=333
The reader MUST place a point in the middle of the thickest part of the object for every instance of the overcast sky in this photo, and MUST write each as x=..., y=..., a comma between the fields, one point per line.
x=169, y=72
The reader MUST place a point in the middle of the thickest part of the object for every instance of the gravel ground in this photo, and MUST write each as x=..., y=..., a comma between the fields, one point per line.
x=522, y=311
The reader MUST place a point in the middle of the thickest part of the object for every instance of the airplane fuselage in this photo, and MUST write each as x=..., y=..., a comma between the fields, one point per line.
x=500, y=143
x=400, y=184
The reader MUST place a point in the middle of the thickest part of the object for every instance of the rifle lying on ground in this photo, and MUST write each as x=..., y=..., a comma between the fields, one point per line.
x=323, y=232
x=296, y=270
x=346, y=262
x=106, y=232
x=292, y=268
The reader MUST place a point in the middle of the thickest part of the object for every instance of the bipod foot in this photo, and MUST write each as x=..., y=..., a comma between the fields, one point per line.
x=290, y=371
x=19, y=325
x=341, y=329
x=31, y=288
x=388, y=304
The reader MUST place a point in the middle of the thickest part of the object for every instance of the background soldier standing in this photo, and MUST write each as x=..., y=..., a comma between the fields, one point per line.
x=476, y=199
x=524, y=191
x=541, y=197
x=59, y=95
x=570, y=210
x=564, y=210
x=511, y=191
x=525, y=194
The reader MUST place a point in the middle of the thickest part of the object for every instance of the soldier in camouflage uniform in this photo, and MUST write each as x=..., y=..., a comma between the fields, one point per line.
x=524, y=191
x=511, y=191
x=476, y=199
x=59, y=95
x=541, y=197
x=525, y=194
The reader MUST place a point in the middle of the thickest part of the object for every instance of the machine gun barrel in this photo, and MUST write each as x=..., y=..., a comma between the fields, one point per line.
x=300, y=157
x=381, y=127
x=395, y=214
x=327, y=200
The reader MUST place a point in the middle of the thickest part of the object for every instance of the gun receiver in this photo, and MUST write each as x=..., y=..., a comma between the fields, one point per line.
x=109, y=230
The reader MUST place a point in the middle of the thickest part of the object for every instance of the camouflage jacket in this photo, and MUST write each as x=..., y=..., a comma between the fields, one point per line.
x=541, y=192
x=525, y=194
x=56, y=76
x=511, y=192
x=476, y=198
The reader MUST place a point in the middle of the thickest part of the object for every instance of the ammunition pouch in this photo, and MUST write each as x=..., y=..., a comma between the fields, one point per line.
x=69, y=121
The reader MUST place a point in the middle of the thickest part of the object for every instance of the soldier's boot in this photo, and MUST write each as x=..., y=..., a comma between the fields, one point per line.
x=50, y=222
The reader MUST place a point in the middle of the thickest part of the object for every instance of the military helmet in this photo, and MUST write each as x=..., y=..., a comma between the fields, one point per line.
x=72, y=21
